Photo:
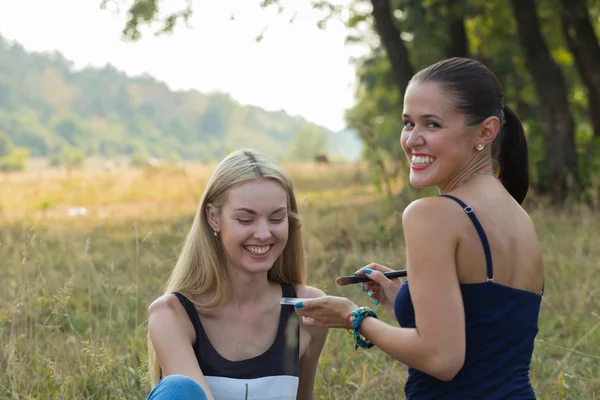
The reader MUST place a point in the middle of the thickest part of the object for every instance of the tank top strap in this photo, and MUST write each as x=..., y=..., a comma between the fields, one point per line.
x=482, y=236
x=287, y=315
x=289, y=327
x=288, y=290
x=287, y=341
x=190, y=309
x=281, y=358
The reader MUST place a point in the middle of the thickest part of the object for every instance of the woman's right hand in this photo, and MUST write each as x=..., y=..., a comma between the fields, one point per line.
x=380, y=289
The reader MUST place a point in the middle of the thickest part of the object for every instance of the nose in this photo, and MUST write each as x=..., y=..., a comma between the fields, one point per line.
x=414, y=138
x=263, y=231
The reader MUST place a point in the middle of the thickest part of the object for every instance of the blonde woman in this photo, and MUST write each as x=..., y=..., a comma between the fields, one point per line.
x=219, y=331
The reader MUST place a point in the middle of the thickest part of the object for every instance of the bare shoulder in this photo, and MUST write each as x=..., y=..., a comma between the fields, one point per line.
x=166, y=314
x=308, y=292
x=165, y=304
x=430, y=213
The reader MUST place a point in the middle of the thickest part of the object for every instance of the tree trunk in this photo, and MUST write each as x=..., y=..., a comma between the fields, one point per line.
x=581, y=40
x=555, y=115
x=458, y=45
x=389, y=34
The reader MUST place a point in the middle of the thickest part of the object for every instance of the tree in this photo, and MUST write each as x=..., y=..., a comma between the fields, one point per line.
x=70, y=157
x=412, y=34
x=15, y=161
x=555, y=115
x=458, y=45
x=307, y=145
x=103, y=112
x=385, y=25
x=581, y=40
x=143, y=12
x=6, y=144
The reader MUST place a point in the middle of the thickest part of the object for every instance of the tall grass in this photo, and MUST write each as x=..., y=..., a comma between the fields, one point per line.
x=76, y=289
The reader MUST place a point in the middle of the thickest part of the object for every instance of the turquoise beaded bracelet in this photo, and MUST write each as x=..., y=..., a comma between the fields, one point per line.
x=356, y=317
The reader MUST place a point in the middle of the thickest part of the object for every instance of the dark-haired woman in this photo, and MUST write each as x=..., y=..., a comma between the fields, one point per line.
x=468, y=311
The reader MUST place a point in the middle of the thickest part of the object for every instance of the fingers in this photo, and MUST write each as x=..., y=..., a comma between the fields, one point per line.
x=371, y=287
x=309, y=321
x=376, y=294
x=367, y=270
x=373, y=267
x=318, y=303
x=324, y=313
x=377, y=277
x=309, y=304
x=366, y=286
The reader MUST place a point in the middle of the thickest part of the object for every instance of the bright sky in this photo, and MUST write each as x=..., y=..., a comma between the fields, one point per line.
x=296, y=67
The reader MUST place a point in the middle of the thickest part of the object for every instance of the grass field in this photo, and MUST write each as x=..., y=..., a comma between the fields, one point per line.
x=76, y=288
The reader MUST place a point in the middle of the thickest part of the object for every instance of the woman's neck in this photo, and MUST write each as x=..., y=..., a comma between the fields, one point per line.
x=246, y=290
x=479, y=165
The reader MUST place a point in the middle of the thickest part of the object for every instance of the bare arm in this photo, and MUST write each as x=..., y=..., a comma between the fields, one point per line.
x=437, y=345
x=172, y=335
x=310, y=359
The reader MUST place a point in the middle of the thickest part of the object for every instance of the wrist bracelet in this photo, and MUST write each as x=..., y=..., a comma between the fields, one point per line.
x=355, y=318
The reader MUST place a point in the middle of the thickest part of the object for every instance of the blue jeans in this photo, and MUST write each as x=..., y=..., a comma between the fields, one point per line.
x=177, y=387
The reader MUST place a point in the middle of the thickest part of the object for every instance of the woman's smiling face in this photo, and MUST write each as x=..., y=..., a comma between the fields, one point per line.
x=435, y=137
x=253, y=225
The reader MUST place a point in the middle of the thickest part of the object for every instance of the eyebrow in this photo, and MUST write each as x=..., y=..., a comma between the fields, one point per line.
x=250, y=211
x=425, y=116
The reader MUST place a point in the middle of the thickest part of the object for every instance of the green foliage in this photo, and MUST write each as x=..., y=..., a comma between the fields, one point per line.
x=427, y=30
x=45, y=107
x=491, y=32
x=69, y=157
x=307, y=145
x=16, y=160
x=143, y=12
x=6, y=144
x=140, y=158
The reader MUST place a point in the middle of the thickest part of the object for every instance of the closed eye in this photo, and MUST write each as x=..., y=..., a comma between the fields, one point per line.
x=272, y=220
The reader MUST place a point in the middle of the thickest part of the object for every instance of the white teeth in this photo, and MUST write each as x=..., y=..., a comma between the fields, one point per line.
x=422, y=160
x=258, y=250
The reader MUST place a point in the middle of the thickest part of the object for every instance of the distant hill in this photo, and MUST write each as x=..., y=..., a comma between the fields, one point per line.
x=345, y=144
x=48, y=107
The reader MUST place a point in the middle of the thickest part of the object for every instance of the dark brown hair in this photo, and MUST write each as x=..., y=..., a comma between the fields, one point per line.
x=477, y=93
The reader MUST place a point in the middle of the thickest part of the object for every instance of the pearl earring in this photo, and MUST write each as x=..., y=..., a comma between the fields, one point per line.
x=215, y=233
x=479, y=146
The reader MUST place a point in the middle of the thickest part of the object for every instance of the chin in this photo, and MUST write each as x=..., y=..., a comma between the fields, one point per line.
x=253, y=269
x=420, y=183
x=253, y=265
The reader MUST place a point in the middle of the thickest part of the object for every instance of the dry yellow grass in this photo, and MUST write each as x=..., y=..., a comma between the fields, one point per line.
x=73, y=308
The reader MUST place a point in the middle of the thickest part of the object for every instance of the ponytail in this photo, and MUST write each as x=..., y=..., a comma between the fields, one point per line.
x=512, y=156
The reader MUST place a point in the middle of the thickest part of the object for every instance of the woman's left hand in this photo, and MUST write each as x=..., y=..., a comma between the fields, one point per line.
x=325, y=311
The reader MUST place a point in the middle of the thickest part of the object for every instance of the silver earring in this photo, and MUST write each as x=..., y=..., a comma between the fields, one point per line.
x=479, y=146
x=215, y=233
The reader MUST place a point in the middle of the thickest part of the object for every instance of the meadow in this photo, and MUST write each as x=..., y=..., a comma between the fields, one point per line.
x=77, y=281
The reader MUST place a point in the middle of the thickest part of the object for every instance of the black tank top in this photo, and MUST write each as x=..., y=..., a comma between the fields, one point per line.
x=270, y=375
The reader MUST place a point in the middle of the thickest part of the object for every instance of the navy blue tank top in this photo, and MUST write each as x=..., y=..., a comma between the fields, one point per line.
x=501, y=326
x=269, y=376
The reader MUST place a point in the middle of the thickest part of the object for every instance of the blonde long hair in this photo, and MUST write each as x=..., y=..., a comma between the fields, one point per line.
x=199, y=267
